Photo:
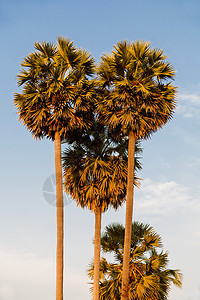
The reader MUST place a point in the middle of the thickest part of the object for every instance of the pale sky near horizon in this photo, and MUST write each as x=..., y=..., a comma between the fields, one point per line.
x=169, y=197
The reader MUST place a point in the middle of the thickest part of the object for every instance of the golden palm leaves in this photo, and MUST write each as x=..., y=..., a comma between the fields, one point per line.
x=149, y=277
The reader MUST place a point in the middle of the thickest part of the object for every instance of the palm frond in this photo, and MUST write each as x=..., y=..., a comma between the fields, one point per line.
x=149, y=277
x=140, y=96
x=53, y=98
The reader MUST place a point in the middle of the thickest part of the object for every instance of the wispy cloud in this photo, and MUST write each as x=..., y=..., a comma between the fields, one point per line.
x=26, y=266
x=6, y=291
x=165, y=198
x=189, y=105
x=21, y=269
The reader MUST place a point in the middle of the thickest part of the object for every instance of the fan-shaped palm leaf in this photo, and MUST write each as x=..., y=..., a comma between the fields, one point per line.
x=149, y=277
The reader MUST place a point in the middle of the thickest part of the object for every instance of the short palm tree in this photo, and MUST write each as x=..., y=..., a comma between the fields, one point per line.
x=95, y=173
x=140, y=101
x=149, y=278
x=55, y=101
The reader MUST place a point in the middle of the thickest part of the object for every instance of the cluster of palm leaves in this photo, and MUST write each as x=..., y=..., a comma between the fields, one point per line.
x=149, y=278
x=102, y=119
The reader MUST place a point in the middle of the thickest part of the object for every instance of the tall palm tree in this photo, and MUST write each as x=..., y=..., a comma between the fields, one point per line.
x=140, y=101
x=95, y=172
x=149, y=278
x=55, y=100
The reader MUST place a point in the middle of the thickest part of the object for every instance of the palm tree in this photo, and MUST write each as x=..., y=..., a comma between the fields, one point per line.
x=140, y=101
x=95, y=172
x=149, y=277
x=55, y=100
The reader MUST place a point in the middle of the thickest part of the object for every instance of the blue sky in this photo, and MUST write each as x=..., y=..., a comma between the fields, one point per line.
x=169, y=195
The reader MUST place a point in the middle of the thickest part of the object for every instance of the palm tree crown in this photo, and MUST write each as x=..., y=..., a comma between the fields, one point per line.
x=95, y=169
x=55, y=91
x=95, y=174
x=140, y=97
x=149, y=277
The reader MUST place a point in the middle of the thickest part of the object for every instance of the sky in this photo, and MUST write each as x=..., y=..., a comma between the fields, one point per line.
x=169, y=196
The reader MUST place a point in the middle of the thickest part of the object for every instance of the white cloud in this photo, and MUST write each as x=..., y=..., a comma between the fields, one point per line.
x=164, y=198
x=24, y=266
x=22, y=272
x=25, y=271
x=189, y=105
x=6, y=291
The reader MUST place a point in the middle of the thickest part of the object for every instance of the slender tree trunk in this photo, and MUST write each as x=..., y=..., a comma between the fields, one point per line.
x=129, y=216
x=59, y=206
x=97, y=249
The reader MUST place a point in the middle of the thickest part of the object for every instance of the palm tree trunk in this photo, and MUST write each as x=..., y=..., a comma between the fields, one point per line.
x=129, y=216
x=59, y=206
x=97, y=249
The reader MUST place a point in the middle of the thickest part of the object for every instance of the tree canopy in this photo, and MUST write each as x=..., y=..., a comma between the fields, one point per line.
x=149, y=277
x=56, y=94
x=141, y=97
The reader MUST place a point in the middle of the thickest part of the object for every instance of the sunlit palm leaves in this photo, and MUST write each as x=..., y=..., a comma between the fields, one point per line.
x=55, y=91
x=95, y=169
x=140, y=97
x=149, y=277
